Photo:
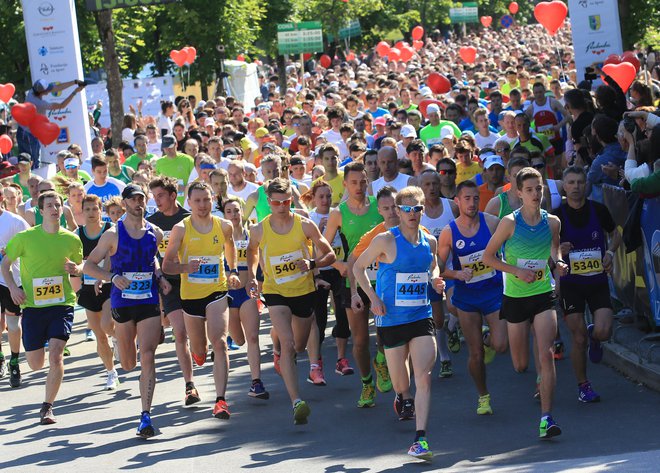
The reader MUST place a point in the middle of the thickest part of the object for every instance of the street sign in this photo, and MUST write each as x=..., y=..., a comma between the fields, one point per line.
x=98, y=5
x=506, y=21
x=467, y=12
x=350, y=30
x=299, y=38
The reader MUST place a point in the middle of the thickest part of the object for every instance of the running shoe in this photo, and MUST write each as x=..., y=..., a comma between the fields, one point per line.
x=453, y=340
x=587, y=394
x=46, y=414
x=221, y=410
x=489, y=353
x=66, y=352
x=558, y=350
x=231, y=344
x=445, y=369
x=420, y=449
x=316, y=376
x=112, y=383
x=383, y=381
x=276, y=363
x=301, y=412
x=192, y=397
x=199, y=359
x=483, y=405
x=398, y=404
x=343, y=367
x=407, y=410
x=548, y=428
x=145, y=429
x=367, y=396
x=258, y=390
x=89, y=335
x=3, y=367
x=595, y=348
x=14, y=375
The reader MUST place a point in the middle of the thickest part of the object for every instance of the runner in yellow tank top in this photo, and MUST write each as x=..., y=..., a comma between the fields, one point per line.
x=283, y=243
x=198, y=244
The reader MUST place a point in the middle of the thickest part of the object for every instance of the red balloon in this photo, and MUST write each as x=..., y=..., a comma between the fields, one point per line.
x=623, y=74
x=407, y=53
x=5, y=144
x=513, y=8
x=486, y=21
x=307, y=56
x=7, y=92
x=191, y=54
x=350, y=56
x=382, y=48
x=325, y=61
x=45, y=131
x=417, y=44
x=240, y=57
x=394, y=54
x=438, y=83
x=179, y=57
x=613, y=59
x=631, y=57
x=551, y=15
x=423, y=105
x=468, y=54
x=24, y=113
x=417, y=33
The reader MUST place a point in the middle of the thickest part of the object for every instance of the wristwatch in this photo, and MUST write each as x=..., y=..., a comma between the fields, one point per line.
x=312, y=264
x=233, y=271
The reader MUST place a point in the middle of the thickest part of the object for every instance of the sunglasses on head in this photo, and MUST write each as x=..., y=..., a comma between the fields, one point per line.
x=411, y=208
x=448, y=172
x=278, y=203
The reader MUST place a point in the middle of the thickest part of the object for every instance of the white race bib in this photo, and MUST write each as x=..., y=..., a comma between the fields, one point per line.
x=411, y=289
x=208, y=272
x=536, y=265
x=140, y=287
x=48, y=291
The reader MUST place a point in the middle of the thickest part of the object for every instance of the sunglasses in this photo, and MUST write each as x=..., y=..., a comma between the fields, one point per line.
x=278, y=203
x=449, y=172
x=411, y=208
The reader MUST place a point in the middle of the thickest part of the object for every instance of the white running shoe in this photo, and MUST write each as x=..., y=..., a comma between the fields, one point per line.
x=89, y=336
x=113, y=381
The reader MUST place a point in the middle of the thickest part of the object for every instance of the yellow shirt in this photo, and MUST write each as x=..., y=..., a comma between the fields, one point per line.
x=209, y=248
x=279, y=253
x=463, y=172
x=337, y=186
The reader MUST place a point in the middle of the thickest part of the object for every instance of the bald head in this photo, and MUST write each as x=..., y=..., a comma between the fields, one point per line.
x=388, y=163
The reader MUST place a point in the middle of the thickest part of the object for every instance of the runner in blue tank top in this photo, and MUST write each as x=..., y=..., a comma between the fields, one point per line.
x=132, y=246
x=478, y=288
x=400, y=304
x=531, y=239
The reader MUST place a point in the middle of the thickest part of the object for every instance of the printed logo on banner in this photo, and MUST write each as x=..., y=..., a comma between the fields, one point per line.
x=43, y=51
x=64, y=136
x=46, y=9
x=44, y=69
x=594, y=22
x=583, y=3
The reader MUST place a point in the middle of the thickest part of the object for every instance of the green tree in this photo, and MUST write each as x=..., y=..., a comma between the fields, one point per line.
x=13, y=54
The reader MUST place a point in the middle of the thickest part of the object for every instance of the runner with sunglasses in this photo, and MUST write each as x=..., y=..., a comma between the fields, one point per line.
x=282, y=242
x=407, y=265
x=446, y=168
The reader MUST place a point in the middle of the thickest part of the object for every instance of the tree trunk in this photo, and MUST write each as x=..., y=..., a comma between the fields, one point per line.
x=115, y=86
x=281, y=72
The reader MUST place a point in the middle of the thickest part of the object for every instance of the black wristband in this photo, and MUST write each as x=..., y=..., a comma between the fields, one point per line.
x=233, y=271
x=312, y=264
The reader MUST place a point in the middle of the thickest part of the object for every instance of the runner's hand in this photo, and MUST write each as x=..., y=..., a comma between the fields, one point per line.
x=233, y=281
x=97, y=287
x=165, y=286
x=71, y=267
x=121, y=282
x=439, y=284
x=322, y=283
x=303, y=265
x=464, y=274
x=252, y=288
x=193, y=265
x=17, y=295
x=377, y=306
x=357, y=305
x=562, y=268
x=608, y=263
x=526, y=275
x=342, y=267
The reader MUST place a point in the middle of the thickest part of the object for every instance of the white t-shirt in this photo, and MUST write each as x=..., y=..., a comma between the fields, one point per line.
x=335, y=138
x=154, y=148
x=165, y=123
x=128, y=135
x=249, y=188
x=486, y=141
x=10, y=225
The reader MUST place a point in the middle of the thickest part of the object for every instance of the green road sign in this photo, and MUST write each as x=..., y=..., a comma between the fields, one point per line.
x=298, y=38
x=467, y=12
x=350, y=30
x=97, y=5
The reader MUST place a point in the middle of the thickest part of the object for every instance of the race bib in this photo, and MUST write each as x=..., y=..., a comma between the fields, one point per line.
x=586, y=263
x=87, y=279
x=162, y=246
x=48, y=291
x=480, y=271
x=536, y=265
x=411, y=289
x=372, y=271
x=182, y=189
x=208, y=272
x=241, y=253
x=140, y=287
x=284, y=267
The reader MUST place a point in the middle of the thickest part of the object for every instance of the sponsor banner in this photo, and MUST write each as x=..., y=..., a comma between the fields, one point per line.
x=596, y=31
x=51, y=31
x=651, y=248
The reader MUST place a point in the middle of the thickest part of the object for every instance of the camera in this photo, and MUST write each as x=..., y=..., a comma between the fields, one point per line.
x=590, y=74
x=629, y=124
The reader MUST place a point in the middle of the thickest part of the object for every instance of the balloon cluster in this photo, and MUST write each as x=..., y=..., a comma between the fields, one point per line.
x=183, y=57
x=402, y=51
x=623, y=69
x=43, y=129
x=6, y=93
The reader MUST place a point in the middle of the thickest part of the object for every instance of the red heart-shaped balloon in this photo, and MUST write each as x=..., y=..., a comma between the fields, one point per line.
x=438, y=83
x=325, y=61
x=631, y=57
x=551, y=15
x=179, y=57
x=418, y=45
x=24, y=113
x=382, y=48
x=486, y=21
x=513, y=8
x=417, y=33
x=623, y=74
x=191, y=54
x=45, y=131
x=407, y=53
x=7, y=92
x=468, y=54
x=423, y=105
x=612, y=59
x=5, y=144
x=394, y=55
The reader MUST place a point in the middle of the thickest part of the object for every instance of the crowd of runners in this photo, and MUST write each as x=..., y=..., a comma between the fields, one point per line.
x=473, y=216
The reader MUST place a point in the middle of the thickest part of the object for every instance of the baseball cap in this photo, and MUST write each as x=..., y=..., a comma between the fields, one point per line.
x=492, y=160
x=432, y=108
x=131, y=191
x=492, y=85
x=261, y=132
x=70, y=163
x=249, y=167
x=230, y=151
x=7, y=170
x=380, y=121
x=295, y=161
x=24, y=158
x=446, y=132
x=408, y=131
x=42, y=86
x=209, y=121
x=426, y=92
x=168, y=141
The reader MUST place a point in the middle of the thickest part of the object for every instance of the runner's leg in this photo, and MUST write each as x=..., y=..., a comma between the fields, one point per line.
x=148, y=336
x=217, y=320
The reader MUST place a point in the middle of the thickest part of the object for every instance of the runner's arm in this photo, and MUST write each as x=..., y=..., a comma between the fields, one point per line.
x=325, y=255
x=252, y=252
x=504, y=231
x=250, y=204
x=104, y=249
x=331, y=228
x=555, y=255
x=171, y=263
x=378, y=249
x=230, y=247
x=493, y=206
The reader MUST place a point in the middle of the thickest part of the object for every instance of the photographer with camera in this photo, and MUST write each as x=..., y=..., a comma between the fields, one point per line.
x=605, y=167
x=640, y=165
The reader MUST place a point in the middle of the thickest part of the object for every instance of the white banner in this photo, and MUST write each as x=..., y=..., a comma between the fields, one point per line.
x=151, y=91
x=243, y=82
x=596, y=31
x=51, y=31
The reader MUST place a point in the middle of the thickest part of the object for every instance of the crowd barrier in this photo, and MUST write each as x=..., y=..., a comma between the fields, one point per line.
x=636, y=275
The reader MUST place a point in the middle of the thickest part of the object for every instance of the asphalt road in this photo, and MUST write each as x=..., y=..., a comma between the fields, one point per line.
x=96, y=428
